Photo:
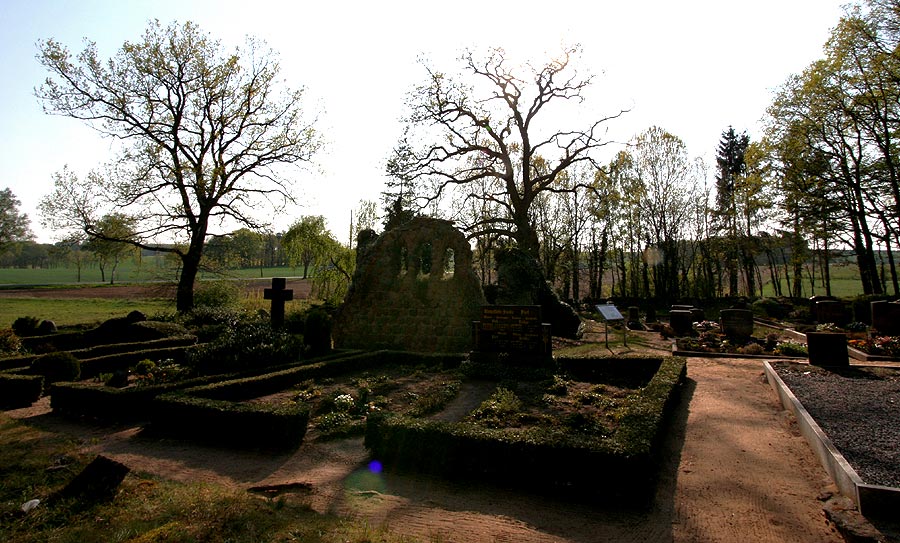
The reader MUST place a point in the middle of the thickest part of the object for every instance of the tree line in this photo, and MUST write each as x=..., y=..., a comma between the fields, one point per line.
x=505, y=149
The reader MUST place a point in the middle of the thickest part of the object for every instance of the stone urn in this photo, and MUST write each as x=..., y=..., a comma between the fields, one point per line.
x=827, y=349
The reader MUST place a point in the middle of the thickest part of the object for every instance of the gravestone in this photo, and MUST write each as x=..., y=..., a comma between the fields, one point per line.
x=279, y=295
x=831, y=311
x=512, y=329
x=697, y=314
x=681, y=322
x=651, y=314
x=827, y=349
x=886, y=318
x=737, y=324
x=634, y=318
x=414, y=289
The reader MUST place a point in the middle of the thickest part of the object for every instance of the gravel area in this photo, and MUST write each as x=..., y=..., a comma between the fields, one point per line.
x=859, y=409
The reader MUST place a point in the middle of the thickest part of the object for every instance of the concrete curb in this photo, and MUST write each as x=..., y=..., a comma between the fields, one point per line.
x=871, y=500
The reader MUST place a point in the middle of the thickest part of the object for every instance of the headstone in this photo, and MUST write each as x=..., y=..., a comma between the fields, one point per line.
x=681, y=322
x=634, y=318
x=651, y=314
x=634, y=313
x=279, y=295
x=827, y=349
x=886, y=318
x=98, y=482
x=46, y=327
x=831, y=311
x=698, y=315
x=512, y=329
x=737, y=324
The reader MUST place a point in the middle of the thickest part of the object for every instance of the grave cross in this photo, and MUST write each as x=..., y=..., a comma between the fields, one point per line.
x=278, y=294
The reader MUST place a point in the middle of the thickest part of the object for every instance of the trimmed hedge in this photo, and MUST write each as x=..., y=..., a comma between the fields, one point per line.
x=19, y=390
x=214, y=413
x=92, y=367
x=622, y=466
x=113, y=404
x=329, y=366
x=255, y=426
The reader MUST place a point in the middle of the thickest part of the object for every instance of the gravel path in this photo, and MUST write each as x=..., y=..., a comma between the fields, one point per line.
x=859, y=409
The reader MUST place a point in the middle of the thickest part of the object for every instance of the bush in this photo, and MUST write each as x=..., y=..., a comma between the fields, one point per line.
x=768, y=307
x=26, y=326
x=10, y=343
x=752, y=348
x=19, y=390
x=791, y=348
x=217, y=294
x=58, y=366
x=317, y=330
x=145, y=367
x=250, y=345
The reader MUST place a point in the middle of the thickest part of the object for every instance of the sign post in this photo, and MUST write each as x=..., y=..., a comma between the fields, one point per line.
x=610, y=313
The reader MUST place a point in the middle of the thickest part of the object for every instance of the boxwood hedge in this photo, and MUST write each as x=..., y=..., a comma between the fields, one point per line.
x=17, y=390
x=618, y=467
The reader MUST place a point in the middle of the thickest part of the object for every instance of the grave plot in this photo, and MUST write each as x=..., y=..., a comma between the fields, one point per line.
x=104, y=354
x=591, y=427
x=849, y=415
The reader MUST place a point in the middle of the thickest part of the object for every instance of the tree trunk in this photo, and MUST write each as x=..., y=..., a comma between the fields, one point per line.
x=190, y=266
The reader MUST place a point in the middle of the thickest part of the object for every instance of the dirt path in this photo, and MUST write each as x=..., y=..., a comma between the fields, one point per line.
x=736, y=469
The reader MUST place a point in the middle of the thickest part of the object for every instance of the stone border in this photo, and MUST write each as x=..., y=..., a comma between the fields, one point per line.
x=871, y=500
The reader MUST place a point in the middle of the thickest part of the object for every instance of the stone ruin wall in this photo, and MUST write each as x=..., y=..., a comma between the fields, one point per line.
x=397, y=302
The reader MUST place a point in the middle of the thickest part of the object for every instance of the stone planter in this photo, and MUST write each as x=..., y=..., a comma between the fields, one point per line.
x=827, y=349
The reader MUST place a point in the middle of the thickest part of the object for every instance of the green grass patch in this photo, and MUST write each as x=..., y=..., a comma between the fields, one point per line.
x=70, y=312
x=147, y=509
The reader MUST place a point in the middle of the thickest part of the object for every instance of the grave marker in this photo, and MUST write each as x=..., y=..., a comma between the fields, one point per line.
x=886, y=318
x=279, y=295
x=737, y=324
x=516, y=329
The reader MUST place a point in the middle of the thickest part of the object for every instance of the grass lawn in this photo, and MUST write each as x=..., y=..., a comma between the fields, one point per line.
x=150, y=269
x=146, y=508
x=66, y=312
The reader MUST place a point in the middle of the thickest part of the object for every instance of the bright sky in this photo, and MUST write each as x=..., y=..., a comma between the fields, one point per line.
x=693, y=67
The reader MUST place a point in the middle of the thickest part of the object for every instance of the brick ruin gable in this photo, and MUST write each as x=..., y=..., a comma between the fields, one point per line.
x=414, y=289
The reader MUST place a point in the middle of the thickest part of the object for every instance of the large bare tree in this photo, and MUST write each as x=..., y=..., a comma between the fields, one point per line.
x=499, y=122
x=206, y=132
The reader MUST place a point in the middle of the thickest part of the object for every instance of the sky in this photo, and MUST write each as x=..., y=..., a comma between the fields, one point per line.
x=692, y=67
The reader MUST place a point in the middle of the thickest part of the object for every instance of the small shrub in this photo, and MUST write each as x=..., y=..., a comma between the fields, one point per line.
x=58, y=366
x=317, y=330
x=145, y=367
x=498, y=410
x=752, y=348
x=10, y=343
x=217, y=294
x=250, y=345
x=768, y=307
x=856, y=327
x=791, y=348
x=26, y=326
x=771, y=341
x=558, y=387
x=118, y=379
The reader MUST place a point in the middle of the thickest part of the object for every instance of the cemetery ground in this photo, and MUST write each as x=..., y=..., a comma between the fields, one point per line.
x=734, y=468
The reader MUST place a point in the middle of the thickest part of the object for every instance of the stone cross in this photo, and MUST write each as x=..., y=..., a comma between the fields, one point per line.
x=278, y=294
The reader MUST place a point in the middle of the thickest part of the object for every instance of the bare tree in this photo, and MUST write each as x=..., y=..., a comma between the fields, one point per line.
x=464, y=134
x=204, y=134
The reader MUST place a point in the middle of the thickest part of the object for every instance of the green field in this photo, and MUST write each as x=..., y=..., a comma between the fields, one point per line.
x=67, y=312
x=150, y=269
x=845, y=283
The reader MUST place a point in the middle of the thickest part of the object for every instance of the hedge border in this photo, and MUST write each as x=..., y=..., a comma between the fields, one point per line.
x=621, y=467
x=17, y=391
x=214, y=412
